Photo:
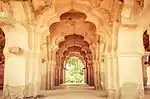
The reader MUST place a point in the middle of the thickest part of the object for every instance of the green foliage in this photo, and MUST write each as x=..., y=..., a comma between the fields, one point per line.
x=76, y=74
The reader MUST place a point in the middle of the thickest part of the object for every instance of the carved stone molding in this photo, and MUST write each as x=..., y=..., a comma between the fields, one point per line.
x=113, y=94
x=132, y=91
x=20, y=92
x=11, y=92
x=140, y=3
x=99, y=3
x=107, y=15
x=31, y=90
x=15, y=50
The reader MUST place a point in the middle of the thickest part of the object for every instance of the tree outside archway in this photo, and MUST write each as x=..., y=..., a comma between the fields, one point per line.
x=74, y=70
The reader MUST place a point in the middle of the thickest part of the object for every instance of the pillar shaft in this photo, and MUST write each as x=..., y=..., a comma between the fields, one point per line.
x=61, y=79
x=97, y=75
x=144, y=68
x=131, y=78
x=16, y=45
x=111, y=76
x=14, y=77
x=130, y=51
x=108, y=72
x=33, y=74
x=91, y=76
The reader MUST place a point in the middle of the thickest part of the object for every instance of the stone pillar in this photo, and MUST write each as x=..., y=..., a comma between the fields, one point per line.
x=43, y=69
x=97, y=74
x=48, y=75
x=131, y=80
x=144, y=68
x=57, y=76
x=64, y=73
x=91, y=76
x=51, y=75
x=14, y=76
x=111, y=76
x=116, y=84
x=88, y=74
x=61, y=75
x=16, y=45
x=108, y=72
x=102, y=71
x=130, y=51
x=33, y=74
x=85, y=75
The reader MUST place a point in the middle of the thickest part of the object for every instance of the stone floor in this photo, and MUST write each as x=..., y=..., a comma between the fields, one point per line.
x=74, y=92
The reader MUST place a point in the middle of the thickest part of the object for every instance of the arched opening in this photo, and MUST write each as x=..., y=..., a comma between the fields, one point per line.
x=2, y=44
x=74, y=71
x=73, y=36
x=74, y=62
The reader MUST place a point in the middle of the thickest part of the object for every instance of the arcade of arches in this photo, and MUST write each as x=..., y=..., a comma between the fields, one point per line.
x=38, y=36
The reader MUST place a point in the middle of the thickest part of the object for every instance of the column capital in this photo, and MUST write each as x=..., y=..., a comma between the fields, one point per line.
x=110, y=55
x=130, y=54
x=33, y=52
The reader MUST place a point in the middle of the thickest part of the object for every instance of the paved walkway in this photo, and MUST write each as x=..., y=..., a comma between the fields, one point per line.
x=74, y=92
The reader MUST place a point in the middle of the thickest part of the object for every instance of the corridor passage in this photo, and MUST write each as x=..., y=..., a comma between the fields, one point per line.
x=73, y=92
x=76, y=91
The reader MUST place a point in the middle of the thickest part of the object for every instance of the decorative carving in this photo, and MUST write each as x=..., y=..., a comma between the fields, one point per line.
x=31, y=90
x=15, y=50
x=20, y=92
x=48, y=2
x=140, y=3
x=104, y=12
x=5, y=6
x=43, y=60
x=41, y=9
x=132, y=91
x=5, y=1
x=11, y=92
x=114, y=93
x=99, y=3
x=107, y=15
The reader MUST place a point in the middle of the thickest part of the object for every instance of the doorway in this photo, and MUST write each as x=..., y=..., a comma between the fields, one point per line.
x=74, y=71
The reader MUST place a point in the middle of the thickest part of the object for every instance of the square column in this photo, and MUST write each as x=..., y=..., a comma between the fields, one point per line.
x=15, y=51
x=102, y=71
x=14, y=76
x=110, y=76
x=130, y=51
x=131, y=78
x=97, y=75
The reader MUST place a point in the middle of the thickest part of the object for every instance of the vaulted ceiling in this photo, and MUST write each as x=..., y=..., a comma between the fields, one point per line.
x=73, y=45
x=77, y=33
x=73, y=22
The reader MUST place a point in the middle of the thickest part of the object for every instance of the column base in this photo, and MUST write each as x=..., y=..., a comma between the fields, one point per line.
x=32, y=90
x=113, y=94
x=14, y=92
x=132, y=91
x=110, y=94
